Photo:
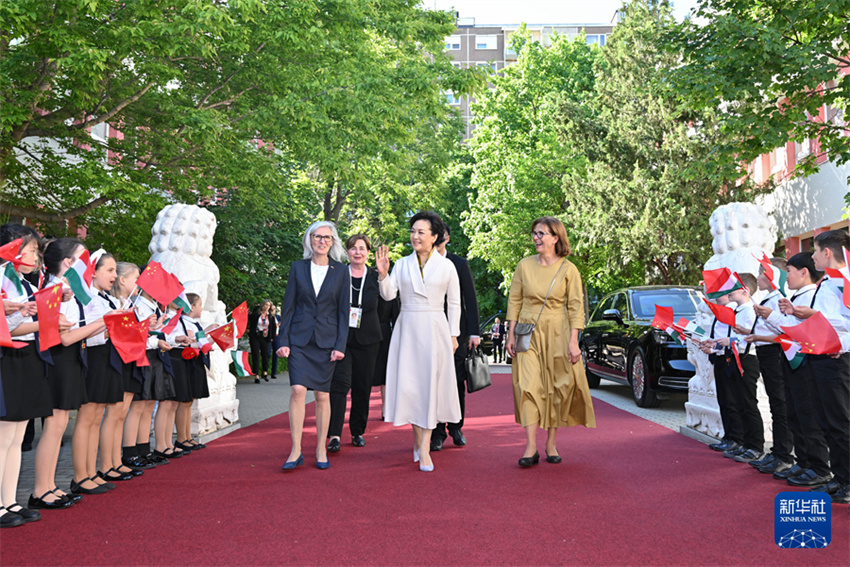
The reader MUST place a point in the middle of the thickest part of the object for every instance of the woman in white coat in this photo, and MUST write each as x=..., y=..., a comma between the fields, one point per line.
x=421, y=385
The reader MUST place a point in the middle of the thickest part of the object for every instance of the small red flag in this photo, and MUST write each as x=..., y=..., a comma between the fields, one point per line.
x=240, y=317
x=6, y=336
x=224, y=336
x=724, y=314
x=160, y=284
x=48, y=301
x=839, y=275
x=11, y=252
x=172, y=323
x=128, y=336
x=816, y=335
x=189, y=353
x=663, y=317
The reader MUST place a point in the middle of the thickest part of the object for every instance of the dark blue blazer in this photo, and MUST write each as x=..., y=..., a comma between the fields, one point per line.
x=305, y=314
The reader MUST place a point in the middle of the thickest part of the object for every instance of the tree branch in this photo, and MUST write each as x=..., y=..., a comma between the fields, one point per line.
x=45, y=216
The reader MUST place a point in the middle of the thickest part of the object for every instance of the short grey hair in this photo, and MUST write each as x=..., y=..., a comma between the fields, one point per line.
x=337, y=252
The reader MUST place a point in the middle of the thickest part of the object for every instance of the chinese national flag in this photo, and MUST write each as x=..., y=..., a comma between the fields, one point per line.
x=724, y=314
x=48, y=301
x=10, y=252
x=163, y=286
x=223, y=336
x=128, y=336
x=815, y=335
x=240, y=317
x=663, y=317
x=6, y=337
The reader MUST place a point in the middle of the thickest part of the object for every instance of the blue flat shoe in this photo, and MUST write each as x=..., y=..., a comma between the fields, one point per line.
x=322, y=465
x=290, y=465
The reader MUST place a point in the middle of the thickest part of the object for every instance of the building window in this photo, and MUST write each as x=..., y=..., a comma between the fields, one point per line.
x=485, y=41
x=451, y=99
x=456, y=64
x=597, y=39
x=453, y=43
x=100, y=132
x=490, y=66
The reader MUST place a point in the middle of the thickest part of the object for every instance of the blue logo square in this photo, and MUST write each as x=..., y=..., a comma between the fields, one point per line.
x=802, y=520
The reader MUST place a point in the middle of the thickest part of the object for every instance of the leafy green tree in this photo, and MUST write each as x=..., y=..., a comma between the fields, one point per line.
x=519, y=159
x=649, y=188
x=767, y=68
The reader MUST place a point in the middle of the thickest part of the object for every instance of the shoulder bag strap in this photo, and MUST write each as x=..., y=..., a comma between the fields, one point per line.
x=551, y=285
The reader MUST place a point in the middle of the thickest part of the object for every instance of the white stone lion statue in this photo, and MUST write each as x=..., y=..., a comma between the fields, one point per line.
x=182, y=241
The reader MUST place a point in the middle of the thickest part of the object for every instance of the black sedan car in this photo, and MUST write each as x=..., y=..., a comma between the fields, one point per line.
x=619, y=344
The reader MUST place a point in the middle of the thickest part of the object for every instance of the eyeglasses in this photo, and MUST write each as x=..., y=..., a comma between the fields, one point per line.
x=325, y=237
x=538, y=234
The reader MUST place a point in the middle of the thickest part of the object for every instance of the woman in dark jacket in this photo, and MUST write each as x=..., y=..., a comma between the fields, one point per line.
x=262, y=329
x=355, y=371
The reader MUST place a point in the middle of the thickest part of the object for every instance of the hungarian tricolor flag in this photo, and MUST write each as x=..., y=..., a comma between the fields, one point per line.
x=791, y=349
x=724, y=314
x=128, y=336
x=48, y=302
x=183, y=302
x=80, y=277
x=203, y=342
x=776, y=276
x=719, y=282
x=10, y=283
x=839, y=276
x=240, y=360
x=171, y=323
x=815, y=335
x=6, y=336
x=691, y=328
x=240, y=317
x=11, y=252
x=224, y=336
x=160, y=284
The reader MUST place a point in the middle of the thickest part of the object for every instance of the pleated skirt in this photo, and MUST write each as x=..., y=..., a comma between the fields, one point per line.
x=26, y=392
x=104, y=384
x=182, y=375
x=67, y=378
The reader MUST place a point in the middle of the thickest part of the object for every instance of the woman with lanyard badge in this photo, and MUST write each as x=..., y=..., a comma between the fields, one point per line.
x=355, y=371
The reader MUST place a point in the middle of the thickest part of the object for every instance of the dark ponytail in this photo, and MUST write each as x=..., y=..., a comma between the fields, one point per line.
x=57, y=251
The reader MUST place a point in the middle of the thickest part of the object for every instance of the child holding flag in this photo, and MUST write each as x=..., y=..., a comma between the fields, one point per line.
x=177, y=335
x=831, y=373
x=67, y=376
x=199, y=346
x=24, y=374
x=772, y=278
x=810, y=446
x=742, y=370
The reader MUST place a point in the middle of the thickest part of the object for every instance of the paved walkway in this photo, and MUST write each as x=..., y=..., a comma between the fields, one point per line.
x=258, y=402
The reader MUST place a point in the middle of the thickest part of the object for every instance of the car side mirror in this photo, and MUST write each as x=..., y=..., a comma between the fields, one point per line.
x=612, y=315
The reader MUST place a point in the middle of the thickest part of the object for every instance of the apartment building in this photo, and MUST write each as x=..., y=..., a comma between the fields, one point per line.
x=489, y=46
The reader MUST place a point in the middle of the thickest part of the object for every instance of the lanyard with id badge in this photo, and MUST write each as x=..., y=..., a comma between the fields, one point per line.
x=356, y=313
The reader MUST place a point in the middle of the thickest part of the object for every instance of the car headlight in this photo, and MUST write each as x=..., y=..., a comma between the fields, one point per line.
x=660, y=337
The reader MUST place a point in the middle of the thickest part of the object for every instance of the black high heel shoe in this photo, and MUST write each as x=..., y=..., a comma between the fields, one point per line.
x=553, y=458
x=530, y=461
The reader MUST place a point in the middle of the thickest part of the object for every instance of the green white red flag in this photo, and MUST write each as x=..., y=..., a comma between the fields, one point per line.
x=793, y=351
x=10, y=282
x=171, y=323
x=719, y=282
x=203, y=342
x=240, y=360
x=776, y=276
x=183, y=302
x=80, y=277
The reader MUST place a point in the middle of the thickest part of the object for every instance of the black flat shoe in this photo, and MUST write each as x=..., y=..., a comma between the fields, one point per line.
x=74, y=498
x=555, y=459
x=107, y=485
x=113, y=475
x=256, y=380
x=358, y=441
x=77, y=488
x=166, y=456
x=529, y=461
x=157, y=460
x=25, y=513
x=266, y=378
x=137, y=462
x=40, y=504
x=10, y=519
x=334, y=446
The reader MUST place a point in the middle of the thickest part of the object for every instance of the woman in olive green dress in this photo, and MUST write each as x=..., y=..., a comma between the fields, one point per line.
x=550, y=387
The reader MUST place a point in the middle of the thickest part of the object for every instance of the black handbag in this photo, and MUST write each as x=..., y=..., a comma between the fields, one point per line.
x=477, y=370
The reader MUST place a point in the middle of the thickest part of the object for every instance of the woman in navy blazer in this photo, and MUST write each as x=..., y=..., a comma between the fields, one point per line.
x=313, y=332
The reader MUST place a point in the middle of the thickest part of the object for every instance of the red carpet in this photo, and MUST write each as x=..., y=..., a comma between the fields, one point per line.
x=628, y=493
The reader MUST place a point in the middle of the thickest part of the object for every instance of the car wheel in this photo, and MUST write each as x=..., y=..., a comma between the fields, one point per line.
x=644, y=396
x=592, y=379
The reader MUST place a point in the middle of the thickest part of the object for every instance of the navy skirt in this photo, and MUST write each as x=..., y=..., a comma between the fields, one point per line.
x=26, y=393
x=310, y=366
x=104, y=383
x=67, y=378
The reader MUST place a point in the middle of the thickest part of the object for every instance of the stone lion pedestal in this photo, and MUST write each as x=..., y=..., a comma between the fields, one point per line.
x=182, y=241
x=740, y=232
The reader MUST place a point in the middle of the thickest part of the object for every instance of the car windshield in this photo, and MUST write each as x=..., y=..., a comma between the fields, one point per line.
x=683, y=301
